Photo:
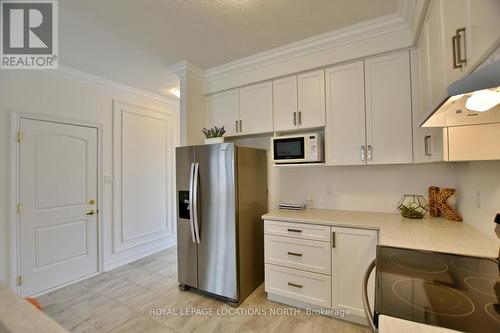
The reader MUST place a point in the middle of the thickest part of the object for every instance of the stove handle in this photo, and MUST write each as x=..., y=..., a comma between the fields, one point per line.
x=366, y=304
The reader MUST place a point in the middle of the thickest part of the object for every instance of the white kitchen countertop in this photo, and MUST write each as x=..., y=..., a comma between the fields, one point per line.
x=17, y=315
x=430, y=234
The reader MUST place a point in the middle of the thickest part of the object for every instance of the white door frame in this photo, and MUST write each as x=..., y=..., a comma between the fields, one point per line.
x=15, y=249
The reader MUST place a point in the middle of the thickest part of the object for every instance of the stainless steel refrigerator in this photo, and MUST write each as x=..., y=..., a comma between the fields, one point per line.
x=221, y=196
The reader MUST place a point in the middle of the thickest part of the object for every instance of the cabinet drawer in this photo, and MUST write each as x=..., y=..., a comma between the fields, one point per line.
x=296, y=253
x=298, y=230
x=307, y=287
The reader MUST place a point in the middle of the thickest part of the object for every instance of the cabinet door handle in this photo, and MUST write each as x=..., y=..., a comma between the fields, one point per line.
x=458, y=62
x=461, y=61
x=333, y=240
x=363, y=153
x=427, y=145
x=236, y=122
x=241, y=125
x=454, y=49
x=295, y=254
x=294, y=230
x=370, y=154
x=291, y=284
x=300, y=117
x=295, y=118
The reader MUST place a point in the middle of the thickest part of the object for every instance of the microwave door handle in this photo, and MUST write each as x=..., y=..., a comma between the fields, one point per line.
x=195, y=202
x=191, y=203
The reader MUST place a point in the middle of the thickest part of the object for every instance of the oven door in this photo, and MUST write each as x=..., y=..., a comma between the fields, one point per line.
x=289, y=150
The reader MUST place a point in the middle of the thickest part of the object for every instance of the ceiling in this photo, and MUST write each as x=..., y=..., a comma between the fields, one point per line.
x=133, y=42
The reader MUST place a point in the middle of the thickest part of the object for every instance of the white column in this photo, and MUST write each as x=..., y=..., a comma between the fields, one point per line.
x=192, y=103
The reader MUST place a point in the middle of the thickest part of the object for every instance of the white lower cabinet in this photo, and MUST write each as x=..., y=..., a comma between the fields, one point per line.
x=299, y=285
x=298, y=253
x=352, y=252
x=310, y=266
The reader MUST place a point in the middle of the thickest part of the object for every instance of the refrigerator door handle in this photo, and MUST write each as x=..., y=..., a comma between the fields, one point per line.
x=191, y=210
x=195, y=202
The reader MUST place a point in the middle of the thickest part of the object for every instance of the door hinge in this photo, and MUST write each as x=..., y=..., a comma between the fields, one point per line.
x=19, y=136
x=333, y=239
x=19, y=280
x=19, y=207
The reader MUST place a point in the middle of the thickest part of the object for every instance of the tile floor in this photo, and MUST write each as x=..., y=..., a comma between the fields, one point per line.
x=122, y=300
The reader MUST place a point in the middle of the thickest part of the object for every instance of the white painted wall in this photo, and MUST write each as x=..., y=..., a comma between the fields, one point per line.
x=364, y=188
x=58, y=95
x=379, y=188
x=482, y=177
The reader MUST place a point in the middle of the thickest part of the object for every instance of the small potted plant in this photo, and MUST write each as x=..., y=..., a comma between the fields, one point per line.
x=214, y=134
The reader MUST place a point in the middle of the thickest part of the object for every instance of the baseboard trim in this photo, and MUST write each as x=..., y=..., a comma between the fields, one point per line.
x=139, y=255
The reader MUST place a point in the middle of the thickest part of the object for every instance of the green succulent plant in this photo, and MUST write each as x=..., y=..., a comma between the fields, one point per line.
x=213, y=132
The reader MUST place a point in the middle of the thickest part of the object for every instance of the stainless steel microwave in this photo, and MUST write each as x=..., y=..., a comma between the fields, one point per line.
x=298, y=148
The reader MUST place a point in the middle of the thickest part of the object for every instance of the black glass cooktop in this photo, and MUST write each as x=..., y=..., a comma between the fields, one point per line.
x=439, y=289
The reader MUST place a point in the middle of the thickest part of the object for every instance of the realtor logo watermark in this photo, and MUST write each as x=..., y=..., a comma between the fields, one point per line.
x=29, y=33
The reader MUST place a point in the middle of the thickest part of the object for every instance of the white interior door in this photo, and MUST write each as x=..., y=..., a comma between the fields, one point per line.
x=57, y=190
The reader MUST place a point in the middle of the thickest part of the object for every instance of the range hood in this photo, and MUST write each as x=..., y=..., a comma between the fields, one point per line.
x=472, y=100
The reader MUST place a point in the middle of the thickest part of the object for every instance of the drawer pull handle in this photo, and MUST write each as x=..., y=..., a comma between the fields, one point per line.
x=294, y=230
x=295, y=285
x=295, y=254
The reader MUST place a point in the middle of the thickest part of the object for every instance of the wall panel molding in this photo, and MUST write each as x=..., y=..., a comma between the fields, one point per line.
x=144, y=142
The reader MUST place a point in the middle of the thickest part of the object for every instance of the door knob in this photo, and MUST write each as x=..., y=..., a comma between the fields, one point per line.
x=91, y=212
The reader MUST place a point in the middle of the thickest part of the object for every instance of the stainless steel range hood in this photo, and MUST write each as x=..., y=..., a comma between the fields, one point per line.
x=484, y=84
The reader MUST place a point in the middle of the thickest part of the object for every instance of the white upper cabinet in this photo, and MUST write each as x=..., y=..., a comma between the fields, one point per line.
x=388, y=109
x=256, y=109
x=427, y=142
x=483, y=29
x=458, y=35
x=436, y=84
x=223, y=110
x=311, y=99
x=369, y=112
x=453, y=21
x=345, y=138
x=285, y=103
x=243, y=111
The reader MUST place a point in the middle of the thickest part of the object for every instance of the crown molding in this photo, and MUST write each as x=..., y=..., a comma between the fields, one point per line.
x=353, y=33
x=184, y=69
x=412, y=13
x=98, y=81
x=408, y=16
